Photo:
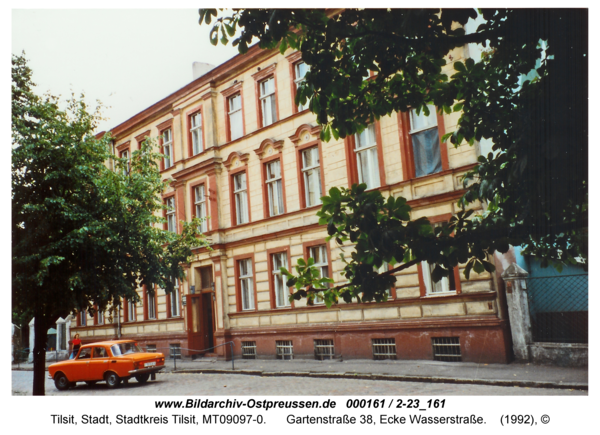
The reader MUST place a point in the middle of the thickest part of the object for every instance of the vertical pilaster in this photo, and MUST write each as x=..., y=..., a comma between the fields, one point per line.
x=210, y=117
x=515, y=279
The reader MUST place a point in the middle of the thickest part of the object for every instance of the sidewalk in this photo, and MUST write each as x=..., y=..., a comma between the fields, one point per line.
x=521, y=375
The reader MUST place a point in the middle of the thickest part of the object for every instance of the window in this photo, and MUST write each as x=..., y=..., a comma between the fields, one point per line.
x=131, y=314
x=240, y=194
x=366, y=157
x=85, y=353
x=319, y=254
x=236, y=128
x=248, y=349
x=167, y=143
x=300, y=70
x=127, y=164
x=174, y=299
x=200, y=206
x=274, y=187
x=268, y=108
x=100, y=352
x=171, y=217
x=324, y=349
x=425, y=142
x=196, y=133
x=246, y=284
x=446, y=349
x=384, y=348
x=100, y=317
x=384, y=268
x=151, y=348
x=311, y=174
x=151, y=305
x=284, y=349
x=448, y=284
x=282, y=292
x=83, y=318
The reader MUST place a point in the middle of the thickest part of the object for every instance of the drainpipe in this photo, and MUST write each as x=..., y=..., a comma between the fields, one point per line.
x=119, y=321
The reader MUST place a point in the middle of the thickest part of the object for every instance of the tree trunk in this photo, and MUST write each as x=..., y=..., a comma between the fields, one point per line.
x=39, y=356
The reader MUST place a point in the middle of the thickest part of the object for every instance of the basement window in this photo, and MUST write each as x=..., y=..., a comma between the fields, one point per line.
x=284, y=349
x=446, y=349
x=175, y=349
x=248, y=349
x=324, y=349
x=151, y=348
x=384, y=348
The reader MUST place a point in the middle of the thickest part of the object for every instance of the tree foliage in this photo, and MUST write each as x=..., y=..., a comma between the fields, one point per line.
x=83, y=221
x=528, y=95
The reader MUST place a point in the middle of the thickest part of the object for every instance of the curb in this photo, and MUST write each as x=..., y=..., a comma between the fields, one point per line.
x=398, y=378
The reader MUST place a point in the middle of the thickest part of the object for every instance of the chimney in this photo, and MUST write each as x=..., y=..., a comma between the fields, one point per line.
x=200, y=68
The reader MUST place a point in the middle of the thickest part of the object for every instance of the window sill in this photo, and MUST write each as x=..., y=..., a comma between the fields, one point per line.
x=441, y=294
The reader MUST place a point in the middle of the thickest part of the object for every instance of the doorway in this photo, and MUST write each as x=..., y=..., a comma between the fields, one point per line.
x=201, y=319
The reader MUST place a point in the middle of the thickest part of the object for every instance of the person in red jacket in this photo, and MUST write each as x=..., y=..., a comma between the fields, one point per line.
x=76, y=342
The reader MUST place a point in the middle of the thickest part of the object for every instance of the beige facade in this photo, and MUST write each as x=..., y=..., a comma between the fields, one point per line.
x=273, y=214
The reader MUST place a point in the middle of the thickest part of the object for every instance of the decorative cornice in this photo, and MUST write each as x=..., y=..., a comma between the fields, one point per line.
x=312, y=129
x=164, y=125
x=489, y=321
x=277, y=146
x=140, y=137
x=123, y=146
x=294, y=57
x=234, y=89
x=243, y=157
x=264, y=72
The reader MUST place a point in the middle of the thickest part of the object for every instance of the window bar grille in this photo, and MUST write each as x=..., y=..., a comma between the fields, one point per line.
x=151, y=348
x=384, y=348
x=284, y=349
x=324, y=349
x=248, y=349
x=446, y=349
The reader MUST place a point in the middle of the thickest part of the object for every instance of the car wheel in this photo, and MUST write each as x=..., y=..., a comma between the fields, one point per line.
x=91, y=383
x=142, y=379
x=112, y=380
x=61, y=382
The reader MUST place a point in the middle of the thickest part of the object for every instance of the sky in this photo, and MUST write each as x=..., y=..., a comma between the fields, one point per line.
x=127, y=58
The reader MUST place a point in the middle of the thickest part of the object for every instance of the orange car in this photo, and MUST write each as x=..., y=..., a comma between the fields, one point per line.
x=110, y=361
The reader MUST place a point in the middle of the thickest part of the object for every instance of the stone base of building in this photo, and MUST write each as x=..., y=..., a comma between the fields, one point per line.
x=55, y=356
x=479, y=340
x=161, y=342
x=561, y=354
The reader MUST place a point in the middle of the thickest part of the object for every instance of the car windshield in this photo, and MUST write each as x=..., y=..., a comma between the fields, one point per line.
x=125, y=348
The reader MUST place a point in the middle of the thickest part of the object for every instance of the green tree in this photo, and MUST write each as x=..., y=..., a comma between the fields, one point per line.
x=83, y=221
x=528, y=95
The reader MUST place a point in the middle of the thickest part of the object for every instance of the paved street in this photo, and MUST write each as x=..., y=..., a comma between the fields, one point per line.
x=184, y=384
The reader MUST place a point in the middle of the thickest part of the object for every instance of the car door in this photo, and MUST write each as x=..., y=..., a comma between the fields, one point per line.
x=98, y=364
x=80, y=366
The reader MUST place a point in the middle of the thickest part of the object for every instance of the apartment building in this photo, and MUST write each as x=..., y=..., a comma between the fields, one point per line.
x=241, y=154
